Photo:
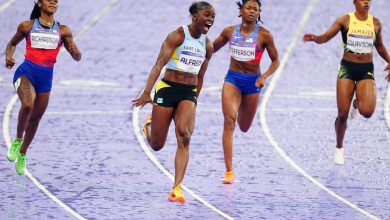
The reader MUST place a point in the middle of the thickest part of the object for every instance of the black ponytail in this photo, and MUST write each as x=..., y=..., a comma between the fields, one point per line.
x=36, y=12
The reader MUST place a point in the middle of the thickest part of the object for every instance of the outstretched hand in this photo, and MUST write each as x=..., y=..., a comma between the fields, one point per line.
x=388, y=72
x=142, y=100
x=9, y=62
x=309, y=37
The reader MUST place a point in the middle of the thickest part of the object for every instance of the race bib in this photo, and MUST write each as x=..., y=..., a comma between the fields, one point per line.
x=44, y=40
x=242, y=53
x=190, y=61
x=360, y=44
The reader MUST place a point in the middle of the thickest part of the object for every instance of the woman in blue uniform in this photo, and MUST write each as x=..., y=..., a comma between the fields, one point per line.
x=244, y=80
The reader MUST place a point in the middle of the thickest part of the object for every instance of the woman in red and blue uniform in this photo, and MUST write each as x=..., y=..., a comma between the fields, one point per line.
x=244, y=80
x=33, y=78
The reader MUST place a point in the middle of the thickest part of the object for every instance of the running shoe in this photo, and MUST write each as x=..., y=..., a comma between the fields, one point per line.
x=147, y=124
x=13, y=151
x=339, y=156
x=20, y=165
x=228, y=178
x=176, y=195
x=353, y=112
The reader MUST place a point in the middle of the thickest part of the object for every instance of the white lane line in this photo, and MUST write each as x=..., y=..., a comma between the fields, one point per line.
x=14, y=99
x=387, y=107
x=89, y=83
x=208, y=110
x=157, y=163
x=7, y=139
x=6, y=5
x=266, y=129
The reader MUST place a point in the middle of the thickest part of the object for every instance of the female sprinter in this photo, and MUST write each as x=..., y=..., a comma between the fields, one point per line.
x=33, y=78
x=361, y=32
x=243, y=81
x=185, y=53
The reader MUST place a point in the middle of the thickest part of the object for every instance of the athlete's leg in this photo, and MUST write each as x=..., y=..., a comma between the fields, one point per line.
x=231, y=99
x=184, y=118
x=345, y=90
x=247, y=111
x=40, y=105
x=27, y=95
x=366, y=97
x=161, y=119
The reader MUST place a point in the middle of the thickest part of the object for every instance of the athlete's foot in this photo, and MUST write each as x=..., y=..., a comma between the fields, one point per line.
x=20, y=165
x=353, y=113
x=13, y=151
x=228, y=178
x=147, y=124
x=176, y=195
x=339, y=156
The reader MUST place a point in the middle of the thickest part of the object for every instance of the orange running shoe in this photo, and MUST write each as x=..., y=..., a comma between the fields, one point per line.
x=176, y=195
x=228, y=178
x=147, y=123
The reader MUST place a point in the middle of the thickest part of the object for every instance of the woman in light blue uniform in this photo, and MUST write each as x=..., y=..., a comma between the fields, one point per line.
x=185, y=53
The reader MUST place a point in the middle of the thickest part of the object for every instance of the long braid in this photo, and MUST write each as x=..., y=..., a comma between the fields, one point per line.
x=36, y=12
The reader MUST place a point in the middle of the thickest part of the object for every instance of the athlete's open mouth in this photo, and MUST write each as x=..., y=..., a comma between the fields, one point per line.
x=207, y=26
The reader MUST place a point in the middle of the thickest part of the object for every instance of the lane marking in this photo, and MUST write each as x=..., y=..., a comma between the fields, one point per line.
x=14, y=99
x=7, y=5
x=148, y=152
x=89, y=83
x=266, y=129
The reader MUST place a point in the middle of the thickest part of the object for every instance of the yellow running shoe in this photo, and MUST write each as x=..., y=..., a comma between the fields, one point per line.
x=176, y=195
x=228, y=178
x=147, y=124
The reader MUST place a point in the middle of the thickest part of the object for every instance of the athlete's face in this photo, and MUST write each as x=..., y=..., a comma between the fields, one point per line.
x=205, y=19
x=48, y=6
x=362, y=5
x=250, y=11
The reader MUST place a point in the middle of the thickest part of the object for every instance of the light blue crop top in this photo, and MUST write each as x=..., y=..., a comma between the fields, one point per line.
x=189, y=56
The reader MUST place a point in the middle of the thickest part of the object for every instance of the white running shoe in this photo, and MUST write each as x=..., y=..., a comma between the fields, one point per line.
x=353, y=111
x=339, y=156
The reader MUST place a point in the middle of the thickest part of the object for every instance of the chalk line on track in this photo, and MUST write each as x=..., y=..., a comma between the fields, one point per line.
x=157, y=163
x=7, y=5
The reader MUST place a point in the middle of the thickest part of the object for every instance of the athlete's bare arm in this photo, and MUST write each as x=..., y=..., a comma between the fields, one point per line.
x=21, y=33
x=69, y=43
x=340, y=23
x=173, y=40
x=223, y=38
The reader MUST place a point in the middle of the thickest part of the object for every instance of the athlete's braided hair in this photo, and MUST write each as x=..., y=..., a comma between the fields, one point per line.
x=197, y=6
x=36, y=12
x=243, y=2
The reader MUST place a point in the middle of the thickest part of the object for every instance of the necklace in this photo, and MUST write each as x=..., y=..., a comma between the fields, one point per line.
x=49, y=25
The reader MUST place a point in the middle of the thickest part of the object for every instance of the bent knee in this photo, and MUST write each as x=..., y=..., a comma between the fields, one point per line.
x=342, y=116
x=27, y=106
x=244, y=128
x=366, y=114
x=184, y=137
x=230, y=122
x=156, y=145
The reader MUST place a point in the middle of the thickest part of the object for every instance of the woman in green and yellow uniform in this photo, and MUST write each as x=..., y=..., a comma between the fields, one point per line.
x=361, y=32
